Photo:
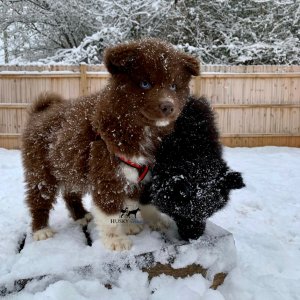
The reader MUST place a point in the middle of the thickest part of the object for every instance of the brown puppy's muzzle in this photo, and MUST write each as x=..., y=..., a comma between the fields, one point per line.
x=159, y=106
x=167, y=108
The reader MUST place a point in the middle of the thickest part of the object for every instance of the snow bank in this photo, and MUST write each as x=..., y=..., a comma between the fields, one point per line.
x=264, y=219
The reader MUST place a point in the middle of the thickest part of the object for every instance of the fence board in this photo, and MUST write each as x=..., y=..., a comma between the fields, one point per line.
x=255, y=105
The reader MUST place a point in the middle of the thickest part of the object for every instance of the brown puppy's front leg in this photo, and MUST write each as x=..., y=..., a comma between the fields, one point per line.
x=131, y=227
x=112, y=234
x=107, y=188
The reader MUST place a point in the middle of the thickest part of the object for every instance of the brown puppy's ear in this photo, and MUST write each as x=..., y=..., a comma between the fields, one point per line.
x=118, y=59
x=191, y=64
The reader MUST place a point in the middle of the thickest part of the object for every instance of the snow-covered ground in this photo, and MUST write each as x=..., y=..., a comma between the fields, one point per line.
x=264, y=218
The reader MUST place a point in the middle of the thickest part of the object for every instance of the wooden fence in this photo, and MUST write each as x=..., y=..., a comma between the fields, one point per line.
x=255, y=105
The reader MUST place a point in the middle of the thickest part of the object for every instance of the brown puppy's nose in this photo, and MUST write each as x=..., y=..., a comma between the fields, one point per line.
x=166, y=107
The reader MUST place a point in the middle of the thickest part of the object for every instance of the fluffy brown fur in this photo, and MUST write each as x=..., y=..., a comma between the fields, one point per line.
x=72, y=146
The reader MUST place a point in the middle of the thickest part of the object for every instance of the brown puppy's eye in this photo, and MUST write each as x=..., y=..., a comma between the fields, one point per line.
x=173, y=87
x=145, y=85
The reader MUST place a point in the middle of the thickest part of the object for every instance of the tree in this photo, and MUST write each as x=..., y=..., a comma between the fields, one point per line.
x=40, y=27
x=218, y=31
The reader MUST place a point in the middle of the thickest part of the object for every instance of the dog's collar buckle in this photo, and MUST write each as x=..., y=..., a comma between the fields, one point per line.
x=142, y=169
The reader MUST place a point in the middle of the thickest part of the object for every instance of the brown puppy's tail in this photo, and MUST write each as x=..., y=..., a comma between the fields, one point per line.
x=44, y=101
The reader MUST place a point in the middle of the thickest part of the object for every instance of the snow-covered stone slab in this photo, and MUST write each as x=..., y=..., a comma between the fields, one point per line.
x=213, y=255
x=68, y=254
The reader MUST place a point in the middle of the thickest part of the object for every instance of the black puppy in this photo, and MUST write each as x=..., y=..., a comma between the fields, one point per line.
x=191, y=181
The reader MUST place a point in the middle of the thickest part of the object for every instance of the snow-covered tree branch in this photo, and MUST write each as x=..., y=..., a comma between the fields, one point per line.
x=218, y=31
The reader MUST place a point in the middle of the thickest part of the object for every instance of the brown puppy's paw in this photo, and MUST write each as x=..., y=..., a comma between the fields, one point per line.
x=43, y=234
x=117, y=243
x=85, y=220
x=132, y=228
x=88, y=217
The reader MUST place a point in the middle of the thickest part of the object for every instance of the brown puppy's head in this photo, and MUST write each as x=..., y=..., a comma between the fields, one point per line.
x=150, y=79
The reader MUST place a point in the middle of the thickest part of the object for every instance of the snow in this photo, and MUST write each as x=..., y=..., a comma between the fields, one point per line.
x=38, y=73
x=192, y=288
x=44, y=72
x=264, y=218
x=216, y=257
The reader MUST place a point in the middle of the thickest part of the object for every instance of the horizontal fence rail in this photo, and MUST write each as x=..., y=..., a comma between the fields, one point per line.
x=254, y=105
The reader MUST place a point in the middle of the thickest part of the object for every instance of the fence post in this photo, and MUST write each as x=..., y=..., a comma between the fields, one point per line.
x=197, y=85
x=83, y=80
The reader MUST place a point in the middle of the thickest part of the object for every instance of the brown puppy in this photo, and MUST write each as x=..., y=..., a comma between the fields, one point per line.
x=76, y=146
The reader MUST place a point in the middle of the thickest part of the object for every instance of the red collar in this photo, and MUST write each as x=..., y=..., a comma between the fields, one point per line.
x=142, y=169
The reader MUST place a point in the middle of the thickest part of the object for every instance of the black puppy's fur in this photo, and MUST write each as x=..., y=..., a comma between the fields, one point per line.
x=191, y=181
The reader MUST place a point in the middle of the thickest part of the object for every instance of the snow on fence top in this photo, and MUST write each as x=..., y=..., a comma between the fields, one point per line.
x=204, y=68
x=255, y=105
x=50, y=68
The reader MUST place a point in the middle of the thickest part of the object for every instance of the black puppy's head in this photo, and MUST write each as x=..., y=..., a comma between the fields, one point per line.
x=208, y=200
x=202, y=202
